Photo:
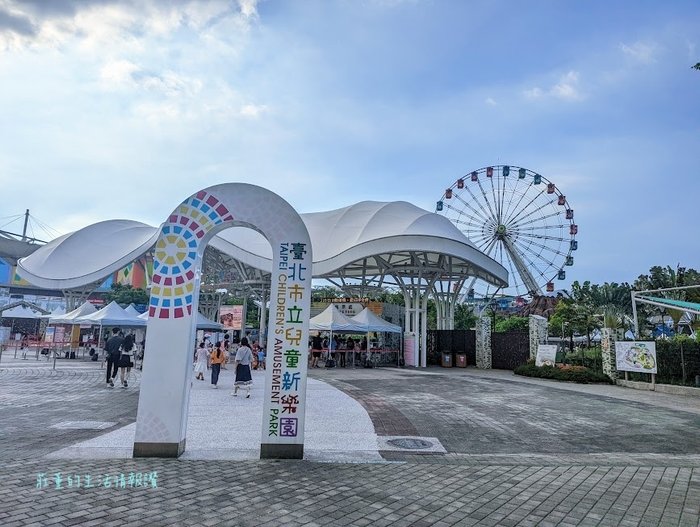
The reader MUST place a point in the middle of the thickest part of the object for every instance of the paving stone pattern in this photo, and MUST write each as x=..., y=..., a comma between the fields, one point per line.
x=492, y=416
x=458, y=488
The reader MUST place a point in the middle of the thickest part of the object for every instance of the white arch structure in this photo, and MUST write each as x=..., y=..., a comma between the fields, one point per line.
x=161, y=421
x=361, y=246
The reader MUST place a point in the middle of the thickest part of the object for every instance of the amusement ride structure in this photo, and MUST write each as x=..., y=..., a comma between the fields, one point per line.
x=520, y=219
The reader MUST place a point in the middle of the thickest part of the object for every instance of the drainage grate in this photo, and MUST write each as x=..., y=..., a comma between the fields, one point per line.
x=410, y=443
x=82, y=425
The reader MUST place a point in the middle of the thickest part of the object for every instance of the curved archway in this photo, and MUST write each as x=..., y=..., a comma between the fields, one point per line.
x=161, y=421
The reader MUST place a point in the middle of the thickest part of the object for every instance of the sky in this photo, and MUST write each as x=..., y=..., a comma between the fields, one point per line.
x=122, y=109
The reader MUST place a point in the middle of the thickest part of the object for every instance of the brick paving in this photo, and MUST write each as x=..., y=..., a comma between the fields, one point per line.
x=632, y=472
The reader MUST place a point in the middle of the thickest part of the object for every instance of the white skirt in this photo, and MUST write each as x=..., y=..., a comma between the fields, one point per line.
x=200, y=367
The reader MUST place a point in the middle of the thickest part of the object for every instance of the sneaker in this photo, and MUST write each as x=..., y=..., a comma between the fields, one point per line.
x=215, y=386
x=234, y=394
x=126, y=384
x=111, y=384
x=247, y=395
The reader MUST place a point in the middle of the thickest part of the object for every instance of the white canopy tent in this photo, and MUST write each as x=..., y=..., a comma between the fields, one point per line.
x=372, y=322
x=69, y=318
x=112, y=315
x=56, y=313
x=132, y=310
x=331, y=319
x=21, y=312
x=202, y=322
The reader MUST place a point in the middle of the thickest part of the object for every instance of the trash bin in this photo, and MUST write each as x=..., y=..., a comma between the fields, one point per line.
x=461, y=361
x=446, y=359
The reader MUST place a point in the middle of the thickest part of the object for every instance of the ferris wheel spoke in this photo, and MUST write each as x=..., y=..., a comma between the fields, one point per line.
x=525, y=208
x=544, y=247
x=513, y=192
x=542, y=236
x=522, y=230
x=469, y=224
x=470, y=207
x=495, y=199
x=488, y=203
x=540, y=218
x=480, y=238
x=524, y=248
x=487, y=216
x=540, y=273
x=504, y=180
x=477, y=219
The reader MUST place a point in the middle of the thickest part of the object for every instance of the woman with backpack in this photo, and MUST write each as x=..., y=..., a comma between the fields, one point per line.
x=216, y=359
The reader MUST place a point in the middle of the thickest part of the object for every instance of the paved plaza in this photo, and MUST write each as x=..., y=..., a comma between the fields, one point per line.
x=499, y=450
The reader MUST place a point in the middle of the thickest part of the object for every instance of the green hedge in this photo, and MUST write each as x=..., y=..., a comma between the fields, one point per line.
x=551, y=372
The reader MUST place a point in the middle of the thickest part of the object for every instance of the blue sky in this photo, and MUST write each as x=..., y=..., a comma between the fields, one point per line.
x=123, y=109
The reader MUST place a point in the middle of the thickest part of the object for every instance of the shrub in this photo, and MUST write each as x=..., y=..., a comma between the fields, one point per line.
x=571, y=374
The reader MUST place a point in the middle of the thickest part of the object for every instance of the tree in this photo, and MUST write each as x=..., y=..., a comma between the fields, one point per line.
x=464, y=317
x=325, y=291
x=126, y=294
x=513, y=323
x=697, y=66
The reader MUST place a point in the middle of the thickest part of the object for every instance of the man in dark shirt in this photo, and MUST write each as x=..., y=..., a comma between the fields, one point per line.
x=112, y=349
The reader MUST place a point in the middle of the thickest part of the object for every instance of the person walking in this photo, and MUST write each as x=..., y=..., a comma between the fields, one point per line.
x=216, y=359
x=316, y=350
x=113, y=352
x=201, y=361
x=244, y=356
x=126, y=359
x=261, y=357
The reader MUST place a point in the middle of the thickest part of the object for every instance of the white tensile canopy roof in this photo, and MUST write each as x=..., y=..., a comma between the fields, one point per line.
x=369, y=238
x=111, y=315
x=331, y=319
x=69, y=318
x=202, y=322
x=371, y=322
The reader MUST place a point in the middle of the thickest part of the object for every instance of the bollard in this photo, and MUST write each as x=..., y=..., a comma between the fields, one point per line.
x=55, y=354
x=697, y=381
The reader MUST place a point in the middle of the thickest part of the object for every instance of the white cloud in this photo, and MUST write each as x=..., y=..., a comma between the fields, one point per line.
x=534, y=93
x=490, y=102
x=566, y=89
x=117, y=73
x=253, y=111
x=640, y=51
x=122, y=25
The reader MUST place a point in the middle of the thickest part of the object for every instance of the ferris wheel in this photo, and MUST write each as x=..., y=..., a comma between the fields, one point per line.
x=521, y=220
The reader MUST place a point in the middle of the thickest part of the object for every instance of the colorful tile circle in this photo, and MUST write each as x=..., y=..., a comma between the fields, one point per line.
x=177, y=254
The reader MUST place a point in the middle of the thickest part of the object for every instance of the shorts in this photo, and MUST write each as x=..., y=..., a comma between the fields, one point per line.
x=316, y=354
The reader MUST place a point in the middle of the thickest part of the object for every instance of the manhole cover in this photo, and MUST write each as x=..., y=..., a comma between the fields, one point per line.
x=410, y=443
x=82, y=425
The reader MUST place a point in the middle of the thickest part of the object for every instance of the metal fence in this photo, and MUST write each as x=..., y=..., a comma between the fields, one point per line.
x=509, y=349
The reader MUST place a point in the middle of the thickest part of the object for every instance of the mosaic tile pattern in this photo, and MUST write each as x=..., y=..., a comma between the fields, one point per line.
x=177, y=254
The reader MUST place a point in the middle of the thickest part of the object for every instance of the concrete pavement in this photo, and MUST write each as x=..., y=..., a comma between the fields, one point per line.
x=515, y=453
